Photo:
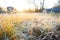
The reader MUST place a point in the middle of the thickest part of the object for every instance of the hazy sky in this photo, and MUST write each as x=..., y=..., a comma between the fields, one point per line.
x=21, y=4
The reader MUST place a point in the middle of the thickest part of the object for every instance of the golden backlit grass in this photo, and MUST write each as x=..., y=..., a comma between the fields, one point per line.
x=7, y=21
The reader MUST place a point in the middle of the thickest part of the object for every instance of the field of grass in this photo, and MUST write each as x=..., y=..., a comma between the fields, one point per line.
x=29, y=26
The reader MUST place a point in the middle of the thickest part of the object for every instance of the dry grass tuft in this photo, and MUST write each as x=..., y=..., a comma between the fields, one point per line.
x=27, y=26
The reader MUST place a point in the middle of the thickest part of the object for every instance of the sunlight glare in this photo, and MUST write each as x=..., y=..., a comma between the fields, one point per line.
x=22, y=4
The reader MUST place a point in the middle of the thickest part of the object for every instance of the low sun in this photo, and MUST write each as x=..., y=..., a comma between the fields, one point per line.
x=22, y=4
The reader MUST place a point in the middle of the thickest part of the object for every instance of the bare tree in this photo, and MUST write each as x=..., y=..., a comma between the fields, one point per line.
x=35, y=4
x=57, y=3
x=42, y=5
